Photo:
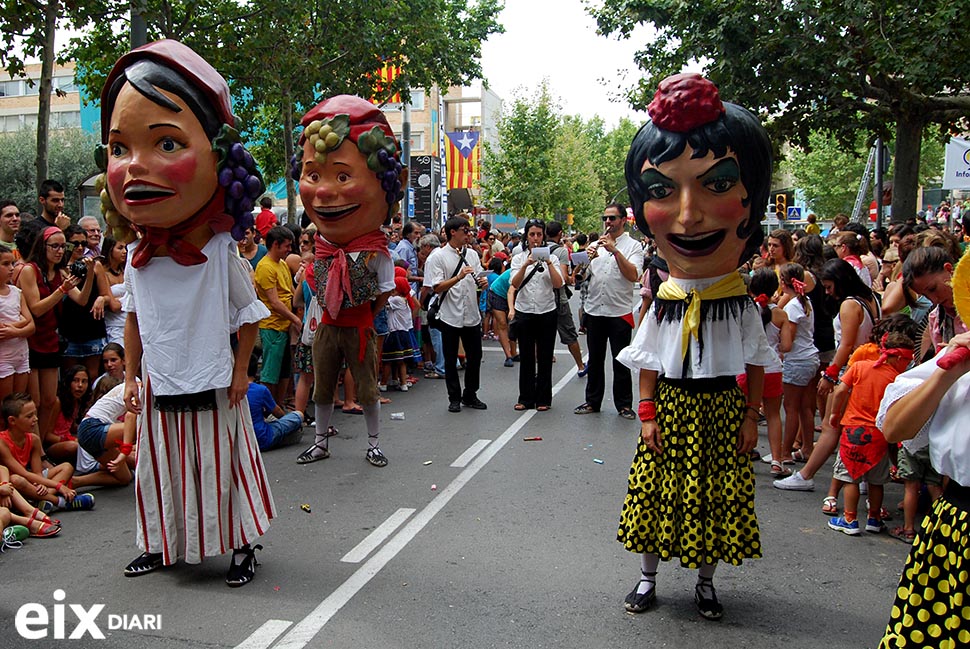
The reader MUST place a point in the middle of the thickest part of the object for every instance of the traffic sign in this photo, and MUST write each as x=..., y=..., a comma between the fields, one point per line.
x=794, y=213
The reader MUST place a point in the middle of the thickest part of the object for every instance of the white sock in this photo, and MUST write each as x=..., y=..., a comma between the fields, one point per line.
x=648, y=573
x=705, y=577
x=324, y=412
x=372, y=419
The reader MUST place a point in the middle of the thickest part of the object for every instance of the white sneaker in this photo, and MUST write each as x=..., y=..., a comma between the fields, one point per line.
x=767, y=458
x=404, y=387
x=795, y=482
x=382, y=387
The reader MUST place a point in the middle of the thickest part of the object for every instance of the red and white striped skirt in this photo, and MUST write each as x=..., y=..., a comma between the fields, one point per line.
x=200, y=486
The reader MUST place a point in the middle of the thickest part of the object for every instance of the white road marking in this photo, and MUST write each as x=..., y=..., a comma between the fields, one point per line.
x=470, y=454
x=378, y=536
x=305, y=630
x=265, y=635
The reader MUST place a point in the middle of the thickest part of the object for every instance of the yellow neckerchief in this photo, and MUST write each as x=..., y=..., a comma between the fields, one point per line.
x=731, y=286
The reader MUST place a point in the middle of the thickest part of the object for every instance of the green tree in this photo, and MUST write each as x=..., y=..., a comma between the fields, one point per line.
x=283, y=56
x=609, y=156
x=877, y=66
x=70, y=160
x=827, y=173
x=27, y=31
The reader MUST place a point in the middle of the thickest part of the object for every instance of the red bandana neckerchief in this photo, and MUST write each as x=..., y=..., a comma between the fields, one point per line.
x=180, y=250
x=338, y=283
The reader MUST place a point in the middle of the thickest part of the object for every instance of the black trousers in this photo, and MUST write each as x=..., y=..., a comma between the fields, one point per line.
x=471, y=339
x=537, y=342
x=617, y=332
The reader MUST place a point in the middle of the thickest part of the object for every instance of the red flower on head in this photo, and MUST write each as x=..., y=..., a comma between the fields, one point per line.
x=685, y=101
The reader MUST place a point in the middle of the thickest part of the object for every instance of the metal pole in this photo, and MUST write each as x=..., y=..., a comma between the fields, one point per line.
x=406, y=159
x=878, y=183
x=139, y=29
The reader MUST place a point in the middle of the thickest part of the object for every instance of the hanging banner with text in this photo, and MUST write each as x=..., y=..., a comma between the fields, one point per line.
x=956, y=171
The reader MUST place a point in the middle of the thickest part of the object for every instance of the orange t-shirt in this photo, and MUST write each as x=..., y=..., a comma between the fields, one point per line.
x=20, y=453
x=868, y=384
x=867, y=352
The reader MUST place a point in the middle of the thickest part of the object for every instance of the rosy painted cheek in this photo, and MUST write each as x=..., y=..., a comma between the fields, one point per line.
x=116, y=181
x=656, y=216
x=180, y=171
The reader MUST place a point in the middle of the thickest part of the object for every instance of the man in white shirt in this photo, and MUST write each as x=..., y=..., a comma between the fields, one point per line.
x=454, y=270
x=92, y=230
x=615, y=264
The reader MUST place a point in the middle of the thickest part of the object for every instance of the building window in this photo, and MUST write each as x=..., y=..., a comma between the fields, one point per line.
x=417, y=141
x=417, y=100
x=10, y=89
x=65, y=84
x=66, y=119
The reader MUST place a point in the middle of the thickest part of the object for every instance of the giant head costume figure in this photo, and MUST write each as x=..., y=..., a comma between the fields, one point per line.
x=349, y=169
x=174, y=166
x=698, y=174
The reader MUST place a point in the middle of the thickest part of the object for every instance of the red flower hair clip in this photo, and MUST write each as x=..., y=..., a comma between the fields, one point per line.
x=684, y=102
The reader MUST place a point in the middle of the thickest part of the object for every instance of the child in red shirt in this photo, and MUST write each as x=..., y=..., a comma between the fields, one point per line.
x=862, y=447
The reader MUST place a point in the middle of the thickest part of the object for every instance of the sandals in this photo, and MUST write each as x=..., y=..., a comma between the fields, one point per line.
x=521, y=407
x=375, y=457
x=43, y=517
x=778, y=470
x=830, y=506
x=144, y=564
x=904, y=535
x=543, y=408
x=46, y=530
x=798, y=456
x=307, y=456
x=585, y=409
x=627, y=413
x=708, y=607
x=640, y=602
x=243, y=572
x=331, y=431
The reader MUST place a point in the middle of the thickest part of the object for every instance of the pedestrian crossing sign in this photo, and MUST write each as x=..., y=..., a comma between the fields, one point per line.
x=794, y=213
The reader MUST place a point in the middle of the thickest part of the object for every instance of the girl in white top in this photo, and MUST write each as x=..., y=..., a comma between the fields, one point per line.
x=762, y=288
x=800, y=362
x=16, y=324
x=534, y=280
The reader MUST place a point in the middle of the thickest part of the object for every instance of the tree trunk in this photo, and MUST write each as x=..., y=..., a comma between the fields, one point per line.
x=44, y=91
x=287, y=152
x=909, y=135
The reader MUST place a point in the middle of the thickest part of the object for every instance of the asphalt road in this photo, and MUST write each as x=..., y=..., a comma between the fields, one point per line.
x=516, y=548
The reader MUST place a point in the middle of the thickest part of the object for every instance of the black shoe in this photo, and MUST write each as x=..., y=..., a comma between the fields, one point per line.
x=627, y=413
x=454, y=406
x=709, y=608
x=475, y=403
x=144, y=564
x=640, y=602
x=243, y=572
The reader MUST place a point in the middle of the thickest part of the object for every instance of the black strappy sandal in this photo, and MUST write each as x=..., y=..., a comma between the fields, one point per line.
x=242, y=573
x=144, y=564
x=640, y=602
x=708, y=607
x=307, y=456
x=376, y=457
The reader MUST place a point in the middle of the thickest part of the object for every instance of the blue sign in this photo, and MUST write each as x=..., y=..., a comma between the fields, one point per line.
x=794, y=213
x=410, y=202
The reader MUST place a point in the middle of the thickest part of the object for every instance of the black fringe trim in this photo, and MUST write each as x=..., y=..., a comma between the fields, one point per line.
x=711, y=311
x=197, y=402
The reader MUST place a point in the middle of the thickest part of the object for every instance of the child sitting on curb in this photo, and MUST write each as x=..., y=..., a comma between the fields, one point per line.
x=106, y=439
x=862, y=447
x=20, y=452
x=285, y=429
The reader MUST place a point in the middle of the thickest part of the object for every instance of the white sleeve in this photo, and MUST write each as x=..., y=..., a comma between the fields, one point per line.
x=754, y=342
x=244, y=306
x=384, y=267
x=903, y=385
x=642, y=352
x=128, y=299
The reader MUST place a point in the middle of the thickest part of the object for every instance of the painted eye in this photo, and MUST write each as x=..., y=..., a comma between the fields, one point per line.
x=312, y=177
x=168, y=145
x=659, y=190
x=342, y=177
x=721, y=184
x=118, y=150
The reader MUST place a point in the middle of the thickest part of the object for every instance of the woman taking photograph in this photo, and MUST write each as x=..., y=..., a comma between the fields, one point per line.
x=534, y=280
x=83, y=324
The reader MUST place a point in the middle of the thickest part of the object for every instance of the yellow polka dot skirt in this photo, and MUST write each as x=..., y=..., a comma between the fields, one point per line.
x=932, y=607
x=695, y=500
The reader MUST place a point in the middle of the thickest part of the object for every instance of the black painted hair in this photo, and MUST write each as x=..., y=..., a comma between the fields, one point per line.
x=738, y=130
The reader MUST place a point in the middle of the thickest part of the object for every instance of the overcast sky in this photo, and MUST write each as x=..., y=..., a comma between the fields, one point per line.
x=557, y=40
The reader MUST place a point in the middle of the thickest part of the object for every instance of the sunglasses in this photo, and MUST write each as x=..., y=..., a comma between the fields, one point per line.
x=611, y=217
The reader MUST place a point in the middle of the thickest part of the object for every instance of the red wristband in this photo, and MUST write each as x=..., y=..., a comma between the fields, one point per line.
x=63, y=290
x=647, y=411
x=59, y=485
x=125, y=447
x=832, y=371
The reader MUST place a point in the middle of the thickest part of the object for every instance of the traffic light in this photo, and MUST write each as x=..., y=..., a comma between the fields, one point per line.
x=569, y=216
x=781, y=206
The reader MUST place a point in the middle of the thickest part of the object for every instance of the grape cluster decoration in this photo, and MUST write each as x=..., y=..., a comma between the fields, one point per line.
x=240, y=178
x=382, y=158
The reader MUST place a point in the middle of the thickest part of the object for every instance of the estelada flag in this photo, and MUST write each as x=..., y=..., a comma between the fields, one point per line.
x=463, y=159
x=382, y=82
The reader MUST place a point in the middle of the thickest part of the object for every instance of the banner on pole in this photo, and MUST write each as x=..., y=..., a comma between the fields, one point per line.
x=463, y=159
x=956, y=170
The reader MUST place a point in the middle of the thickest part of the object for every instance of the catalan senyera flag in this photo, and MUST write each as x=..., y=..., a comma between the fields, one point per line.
x=463, y=159
x=382, y=81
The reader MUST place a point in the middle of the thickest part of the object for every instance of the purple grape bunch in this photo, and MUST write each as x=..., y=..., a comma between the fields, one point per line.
x=243, y=184
x=296, y=164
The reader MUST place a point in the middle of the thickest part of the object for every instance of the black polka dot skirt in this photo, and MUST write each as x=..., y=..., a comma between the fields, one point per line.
x=695, y=500
x=932, y=607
